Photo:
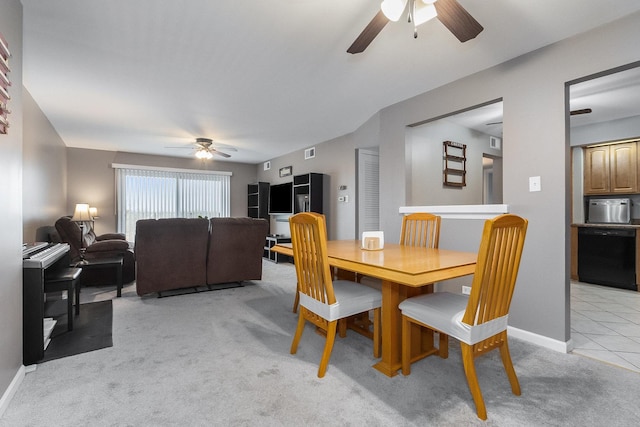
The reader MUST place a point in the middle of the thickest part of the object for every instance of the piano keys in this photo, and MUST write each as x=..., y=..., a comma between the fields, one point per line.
x=42, y=254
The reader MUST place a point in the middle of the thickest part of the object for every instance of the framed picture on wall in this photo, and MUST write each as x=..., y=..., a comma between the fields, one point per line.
x=286, y=171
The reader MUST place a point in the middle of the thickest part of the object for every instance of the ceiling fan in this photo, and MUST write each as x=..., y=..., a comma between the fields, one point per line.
x=449, y=12
x=205, y=149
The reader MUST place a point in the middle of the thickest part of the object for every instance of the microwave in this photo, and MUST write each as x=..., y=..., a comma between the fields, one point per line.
x=609, y=211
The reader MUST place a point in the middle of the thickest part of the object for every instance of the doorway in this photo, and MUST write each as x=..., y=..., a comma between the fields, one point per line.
x=487, y=180
x=491, y=179
x=601, y=108
x=479, y=128
x=368, y=190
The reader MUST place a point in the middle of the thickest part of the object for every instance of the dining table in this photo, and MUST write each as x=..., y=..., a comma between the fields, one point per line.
x=404, y=271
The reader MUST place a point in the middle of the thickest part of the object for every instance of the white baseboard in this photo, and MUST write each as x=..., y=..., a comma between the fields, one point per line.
x=542, y=341
x=11, y=390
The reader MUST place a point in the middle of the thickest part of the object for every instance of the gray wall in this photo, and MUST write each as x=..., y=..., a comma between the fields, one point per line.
x=532, y=87
x=607, y=131
x=11, y=212
x=91, y=180
x=44, y=171
x=536, y=144
x=336, y=159
x=424, y=152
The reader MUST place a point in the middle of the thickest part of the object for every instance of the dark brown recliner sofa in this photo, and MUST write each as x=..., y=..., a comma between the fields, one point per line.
x=95, y=247
x=177, y=253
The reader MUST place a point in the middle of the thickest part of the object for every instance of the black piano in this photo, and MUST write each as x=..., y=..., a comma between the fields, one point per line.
x=39, y=260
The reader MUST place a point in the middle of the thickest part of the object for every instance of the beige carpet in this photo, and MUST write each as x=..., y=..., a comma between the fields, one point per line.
x=222, y=358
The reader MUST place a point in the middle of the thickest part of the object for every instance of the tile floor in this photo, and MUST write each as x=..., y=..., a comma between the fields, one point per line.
x=605, y=324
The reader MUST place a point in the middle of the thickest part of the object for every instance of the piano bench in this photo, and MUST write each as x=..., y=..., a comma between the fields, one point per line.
x=66, y=279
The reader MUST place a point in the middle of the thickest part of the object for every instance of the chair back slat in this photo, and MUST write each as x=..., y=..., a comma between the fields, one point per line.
x=420, y=229
x=496, y=269
x=308, y=237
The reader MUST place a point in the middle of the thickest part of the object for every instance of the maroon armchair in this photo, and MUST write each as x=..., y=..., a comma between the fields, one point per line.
x=103, y=246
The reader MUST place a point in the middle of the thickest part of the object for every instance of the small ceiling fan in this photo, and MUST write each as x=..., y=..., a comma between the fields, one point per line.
x=449, y=12
x=205, y=149
x=581, y=111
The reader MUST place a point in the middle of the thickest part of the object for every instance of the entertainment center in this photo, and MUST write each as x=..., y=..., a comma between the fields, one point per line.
x=303, y=194
x=274, y=256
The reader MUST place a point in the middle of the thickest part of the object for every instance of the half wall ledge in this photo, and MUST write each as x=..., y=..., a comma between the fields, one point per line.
x=459, y=211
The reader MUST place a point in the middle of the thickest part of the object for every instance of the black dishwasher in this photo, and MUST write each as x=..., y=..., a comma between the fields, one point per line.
x=607, y=256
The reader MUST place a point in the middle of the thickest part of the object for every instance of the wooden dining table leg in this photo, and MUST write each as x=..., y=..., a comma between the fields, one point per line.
x=391, y=329
x=421, y=339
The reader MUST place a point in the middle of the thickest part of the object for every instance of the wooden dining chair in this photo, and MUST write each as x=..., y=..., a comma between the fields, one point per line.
x=323, y=301
x=420, y=229
x=479, y=320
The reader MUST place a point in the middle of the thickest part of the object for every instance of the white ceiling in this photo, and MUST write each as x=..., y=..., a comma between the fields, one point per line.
x=266, y=77
x=611, y=97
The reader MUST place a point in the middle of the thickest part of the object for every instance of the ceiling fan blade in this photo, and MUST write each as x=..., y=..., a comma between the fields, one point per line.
x=224, y=147
x=457, y=20
x=220, y=153
x=369, y=33
x=582, y=111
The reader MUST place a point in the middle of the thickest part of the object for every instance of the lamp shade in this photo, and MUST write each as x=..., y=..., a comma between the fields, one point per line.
x=393, y=9
x=93, y=212
x=81, y=213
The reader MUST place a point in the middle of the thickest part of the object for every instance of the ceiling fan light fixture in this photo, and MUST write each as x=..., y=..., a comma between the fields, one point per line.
x=204, y=154
x=393, y=9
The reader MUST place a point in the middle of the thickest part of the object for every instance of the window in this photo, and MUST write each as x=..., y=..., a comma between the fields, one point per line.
x=152, y=193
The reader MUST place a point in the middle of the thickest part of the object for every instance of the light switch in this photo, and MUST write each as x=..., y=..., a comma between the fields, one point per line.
x=534, y=183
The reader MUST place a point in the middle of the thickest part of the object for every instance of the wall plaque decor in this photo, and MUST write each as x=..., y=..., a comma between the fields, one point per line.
x=454, y=169
x=285, y=171
x=4, y=84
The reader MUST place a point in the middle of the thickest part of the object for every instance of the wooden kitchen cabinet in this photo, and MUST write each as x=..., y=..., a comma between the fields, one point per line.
x=596, y=170
x=611, y=169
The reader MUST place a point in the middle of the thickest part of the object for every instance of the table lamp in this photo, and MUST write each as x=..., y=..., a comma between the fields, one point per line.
x=81, y=215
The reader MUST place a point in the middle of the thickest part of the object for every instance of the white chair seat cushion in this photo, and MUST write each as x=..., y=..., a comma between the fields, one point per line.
x=444, y=311
x=351, y=298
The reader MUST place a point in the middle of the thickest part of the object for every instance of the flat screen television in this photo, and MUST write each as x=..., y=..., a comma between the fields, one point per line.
x=281, y=198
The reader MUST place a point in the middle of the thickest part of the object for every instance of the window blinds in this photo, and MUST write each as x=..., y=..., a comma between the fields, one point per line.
x=149, y=193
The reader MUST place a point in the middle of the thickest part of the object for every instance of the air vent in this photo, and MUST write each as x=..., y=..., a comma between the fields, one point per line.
x=267, y=166
x=494, y=142
x=309, y=153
